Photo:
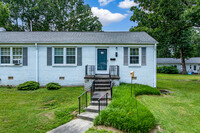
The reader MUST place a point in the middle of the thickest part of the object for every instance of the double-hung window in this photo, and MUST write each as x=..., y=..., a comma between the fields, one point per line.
x=134, y=56
x=10, y=54
x=65, y=56
x=5, y=55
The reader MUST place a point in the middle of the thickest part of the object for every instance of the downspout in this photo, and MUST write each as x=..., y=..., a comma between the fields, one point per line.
x=155, y=63
x=36, y=63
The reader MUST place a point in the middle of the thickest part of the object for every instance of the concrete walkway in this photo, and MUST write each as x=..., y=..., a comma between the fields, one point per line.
x=74, y=126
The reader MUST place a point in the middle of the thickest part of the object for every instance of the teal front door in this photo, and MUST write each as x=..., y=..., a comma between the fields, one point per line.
x=102, y=59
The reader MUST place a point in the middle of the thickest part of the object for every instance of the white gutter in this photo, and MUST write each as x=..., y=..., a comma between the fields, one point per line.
x=155, y=63
x=36, y=63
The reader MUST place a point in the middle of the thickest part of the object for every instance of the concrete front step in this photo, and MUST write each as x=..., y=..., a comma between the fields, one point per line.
x=98, y=94
x=102, y=103
x=94, y=108
x=90, y=116
x=100, y=81
x=102, y=85
x=102, y=88
x=102, y=77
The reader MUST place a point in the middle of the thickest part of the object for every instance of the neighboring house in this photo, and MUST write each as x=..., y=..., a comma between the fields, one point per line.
x=192, y=64
x=72, y=58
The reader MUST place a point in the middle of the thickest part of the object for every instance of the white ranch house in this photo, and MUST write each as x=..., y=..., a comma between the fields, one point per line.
x=73, y=58
x=192, y=64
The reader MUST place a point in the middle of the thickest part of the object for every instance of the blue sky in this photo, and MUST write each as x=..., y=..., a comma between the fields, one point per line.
x=113, y=14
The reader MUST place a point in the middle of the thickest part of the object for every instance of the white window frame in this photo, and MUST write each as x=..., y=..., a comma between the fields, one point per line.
x=11, y=57
x=64, y=57
x=140, y=56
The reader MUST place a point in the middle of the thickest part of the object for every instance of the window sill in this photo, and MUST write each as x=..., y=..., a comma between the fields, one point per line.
x=64, y=65
x=134, y=65
x=10, y=65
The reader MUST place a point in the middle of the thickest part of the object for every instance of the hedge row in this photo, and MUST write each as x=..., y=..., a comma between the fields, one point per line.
x=167, y=70
x=121, y=113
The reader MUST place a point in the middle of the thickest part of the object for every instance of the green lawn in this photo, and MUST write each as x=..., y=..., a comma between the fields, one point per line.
x=177, y=77
x=37, y=111
x=179, y=111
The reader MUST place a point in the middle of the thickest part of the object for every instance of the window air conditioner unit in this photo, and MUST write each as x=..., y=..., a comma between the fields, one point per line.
x=17, y=61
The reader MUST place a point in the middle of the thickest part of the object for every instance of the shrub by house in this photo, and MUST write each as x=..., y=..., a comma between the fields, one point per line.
x=29, y=85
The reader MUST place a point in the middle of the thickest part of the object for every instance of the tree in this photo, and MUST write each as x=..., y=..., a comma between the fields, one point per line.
x=169, y=22
x=4, y=15
x=196, y=42
x=53, y=15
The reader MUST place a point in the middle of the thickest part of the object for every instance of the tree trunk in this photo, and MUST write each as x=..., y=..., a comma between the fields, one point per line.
x=183, y=62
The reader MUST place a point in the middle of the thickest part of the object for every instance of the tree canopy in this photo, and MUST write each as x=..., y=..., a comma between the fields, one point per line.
x=170, y=23
x=52, y=15
x=4, y=15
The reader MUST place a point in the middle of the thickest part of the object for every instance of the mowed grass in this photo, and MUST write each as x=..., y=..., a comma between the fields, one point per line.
x=178, y=77
x=37, y=111
x=179, y=111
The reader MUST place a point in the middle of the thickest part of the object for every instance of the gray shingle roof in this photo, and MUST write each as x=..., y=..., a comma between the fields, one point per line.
x=192, y=60
x=77, y=37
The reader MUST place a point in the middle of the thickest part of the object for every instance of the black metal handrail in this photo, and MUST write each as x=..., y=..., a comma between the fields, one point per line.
x=113, y=70
x=101, y=98
x=111, y=88
x=83, y=101
x=90, y=70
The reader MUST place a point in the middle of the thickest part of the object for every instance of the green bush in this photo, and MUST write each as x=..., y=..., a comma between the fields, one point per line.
x=121, y=113
x=53, y=86
x=29, y=85
x=167, y=70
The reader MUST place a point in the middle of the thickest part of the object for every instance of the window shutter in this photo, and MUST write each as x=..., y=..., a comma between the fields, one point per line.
x=25, y=56
x=49, y=56
x=125, y=56
x=79, y=56
x=144, y=56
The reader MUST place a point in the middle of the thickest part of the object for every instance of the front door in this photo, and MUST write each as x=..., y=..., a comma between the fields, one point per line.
x=102, y=59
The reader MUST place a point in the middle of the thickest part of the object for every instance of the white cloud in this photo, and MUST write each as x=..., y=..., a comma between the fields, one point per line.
x=104, y=2
x=106, y=17
x=127, y=4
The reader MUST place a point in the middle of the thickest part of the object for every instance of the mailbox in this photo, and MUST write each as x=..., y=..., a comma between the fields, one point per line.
x=132, y=74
